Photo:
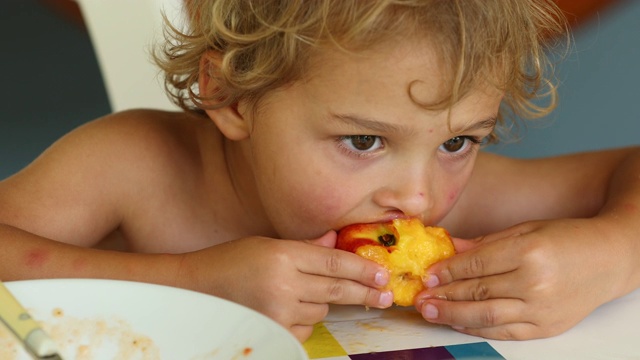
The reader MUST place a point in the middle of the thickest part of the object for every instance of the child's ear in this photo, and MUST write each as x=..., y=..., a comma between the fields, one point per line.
x=228, y=119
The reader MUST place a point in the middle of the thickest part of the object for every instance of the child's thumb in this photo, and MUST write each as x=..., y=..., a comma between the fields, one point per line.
x=463, y=245
x=326, y=240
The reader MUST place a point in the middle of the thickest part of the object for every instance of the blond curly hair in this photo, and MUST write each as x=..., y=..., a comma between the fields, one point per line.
x=266, y=44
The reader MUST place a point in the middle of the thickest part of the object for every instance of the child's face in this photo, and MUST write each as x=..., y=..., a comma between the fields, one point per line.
x=349, y=144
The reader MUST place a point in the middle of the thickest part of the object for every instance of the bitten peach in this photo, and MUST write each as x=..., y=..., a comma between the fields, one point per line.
x=404, y=246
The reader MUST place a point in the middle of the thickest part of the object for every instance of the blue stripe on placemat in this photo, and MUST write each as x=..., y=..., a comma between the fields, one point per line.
x=473, y=351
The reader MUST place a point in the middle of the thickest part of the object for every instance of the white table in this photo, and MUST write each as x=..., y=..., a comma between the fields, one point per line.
x=611, y=332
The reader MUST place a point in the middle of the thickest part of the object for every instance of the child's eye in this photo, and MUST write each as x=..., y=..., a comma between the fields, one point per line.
x=360, y=143
x=458, y=144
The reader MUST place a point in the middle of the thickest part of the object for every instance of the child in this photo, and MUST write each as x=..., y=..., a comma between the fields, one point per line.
x=304, y=116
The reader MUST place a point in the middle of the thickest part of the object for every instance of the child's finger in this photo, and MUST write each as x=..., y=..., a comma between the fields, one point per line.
x=327, y=290
x=343, y=265
x=479, y=315
x=462, y=245
x=492, y=258
x=301, y=332
x=508, y=285
x=326, y=240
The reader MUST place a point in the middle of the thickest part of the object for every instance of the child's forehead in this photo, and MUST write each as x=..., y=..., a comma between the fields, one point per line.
x=412, y=62
x=381, y=80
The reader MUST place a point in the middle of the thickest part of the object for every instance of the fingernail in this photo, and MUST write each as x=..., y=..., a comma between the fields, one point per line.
x=429, y=312
x=432, y=281
x=386, y=299
x=382, y=278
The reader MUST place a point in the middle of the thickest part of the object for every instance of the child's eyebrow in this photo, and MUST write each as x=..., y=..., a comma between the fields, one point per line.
x=371, y=124
x=383, y=127
x=488, y=123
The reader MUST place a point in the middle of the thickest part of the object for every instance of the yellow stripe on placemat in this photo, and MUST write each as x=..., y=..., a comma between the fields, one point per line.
x=322, y=344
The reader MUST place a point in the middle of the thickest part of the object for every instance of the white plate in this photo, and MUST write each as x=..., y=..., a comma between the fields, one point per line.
x=106, y=319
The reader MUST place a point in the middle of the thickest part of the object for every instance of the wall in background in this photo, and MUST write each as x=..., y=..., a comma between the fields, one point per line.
x=51, y=84
x=600, y=92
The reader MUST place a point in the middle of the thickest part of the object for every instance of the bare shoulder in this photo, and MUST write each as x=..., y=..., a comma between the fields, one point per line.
x=149, y=130
x=86, y=184
x=144, y=141
x=131, y=145
x=505, y=191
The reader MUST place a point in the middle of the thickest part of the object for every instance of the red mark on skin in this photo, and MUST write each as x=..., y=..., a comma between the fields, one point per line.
x=630, y=208
x=36, y=258
x=421, y=194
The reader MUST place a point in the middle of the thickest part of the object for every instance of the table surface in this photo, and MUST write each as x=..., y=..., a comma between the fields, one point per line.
x=353, y=332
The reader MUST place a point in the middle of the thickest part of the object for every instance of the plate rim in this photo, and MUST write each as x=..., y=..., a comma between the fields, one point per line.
x=26, y=285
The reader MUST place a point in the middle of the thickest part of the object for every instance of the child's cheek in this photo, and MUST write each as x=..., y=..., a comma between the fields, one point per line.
x=325, y=206
x=329, y=204
x=450, y=197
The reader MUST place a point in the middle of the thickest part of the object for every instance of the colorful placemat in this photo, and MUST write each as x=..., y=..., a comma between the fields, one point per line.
x=322, y=344
x=475, y=351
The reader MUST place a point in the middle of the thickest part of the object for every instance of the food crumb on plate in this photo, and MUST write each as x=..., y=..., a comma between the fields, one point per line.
x=86, y=338
x=57, y=312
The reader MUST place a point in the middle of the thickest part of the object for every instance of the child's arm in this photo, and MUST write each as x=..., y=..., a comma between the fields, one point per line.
x=77, y=193
x=290, y=281
x=541, y=277
x=27, y=256
x=133, y=174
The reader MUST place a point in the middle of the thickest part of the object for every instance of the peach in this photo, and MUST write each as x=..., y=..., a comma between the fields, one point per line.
x=404, y=246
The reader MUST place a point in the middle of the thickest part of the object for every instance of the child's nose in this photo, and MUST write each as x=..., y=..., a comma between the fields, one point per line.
x=410, y=195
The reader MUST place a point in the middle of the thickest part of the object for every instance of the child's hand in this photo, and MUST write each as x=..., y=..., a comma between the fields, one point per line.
x=533, y=280
x=290, y=281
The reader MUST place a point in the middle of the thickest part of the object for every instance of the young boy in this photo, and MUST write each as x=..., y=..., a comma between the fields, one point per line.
x=303, y=117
